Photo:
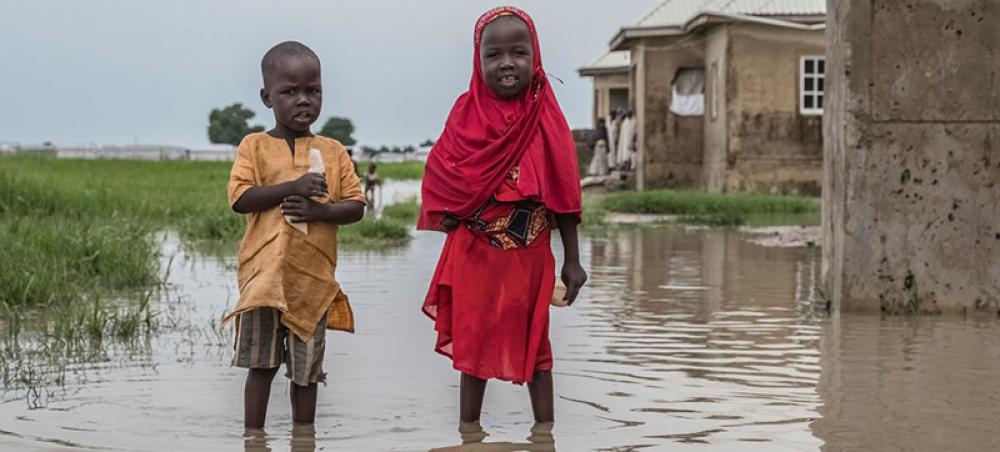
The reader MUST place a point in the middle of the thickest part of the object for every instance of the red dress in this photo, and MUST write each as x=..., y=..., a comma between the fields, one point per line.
x=490, y=294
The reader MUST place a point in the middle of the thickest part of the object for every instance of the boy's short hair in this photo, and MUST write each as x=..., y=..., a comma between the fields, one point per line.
x=282, y=51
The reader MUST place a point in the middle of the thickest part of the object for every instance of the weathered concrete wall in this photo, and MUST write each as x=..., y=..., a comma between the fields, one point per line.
x=911, y=196
x=672, y=147
x=772, y=147
x=716, y=139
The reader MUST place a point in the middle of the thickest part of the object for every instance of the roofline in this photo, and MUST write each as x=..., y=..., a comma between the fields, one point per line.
x=590, y=71
x=625, y=34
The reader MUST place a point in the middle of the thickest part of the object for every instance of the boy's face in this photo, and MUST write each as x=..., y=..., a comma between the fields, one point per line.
x=507, y=56
x=293, y=90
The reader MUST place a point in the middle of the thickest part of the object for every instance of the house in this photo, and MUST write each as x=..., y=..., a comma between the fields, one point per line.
x=611, y=82
x=727, y=94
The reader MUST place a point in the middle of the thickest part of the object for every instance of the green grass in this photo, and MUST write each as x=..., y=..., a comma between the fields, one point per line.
x=706, y=208
x=190, y=196
x=396, y=171
x=374, y=233
x=405, y=212
x=70, y=227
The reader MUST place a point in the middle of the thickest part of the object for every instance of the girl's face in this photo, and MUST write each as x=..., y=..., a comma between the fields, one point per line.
x=507, y=56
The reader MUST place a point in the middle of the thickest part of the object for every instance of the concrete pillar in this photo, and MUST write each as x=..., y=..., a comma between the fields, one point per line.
x=912, y=155
x=638, y=90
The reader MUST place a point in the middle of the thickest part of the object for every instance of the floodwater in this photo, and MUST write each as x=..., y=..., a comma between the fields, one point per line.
x=684, y=339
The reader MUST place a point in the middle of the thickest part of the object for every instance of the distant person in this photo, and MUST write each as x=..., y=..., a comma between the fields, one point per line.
x=626, y=142
x=288, y=295
x=614, y=124
x=371, y=182
x=599, y=145
x=503, y=174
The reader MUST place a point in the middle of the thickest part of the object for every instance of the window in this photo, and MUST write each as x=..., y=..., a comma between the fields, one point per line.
x=812, y=85
x=687, y=97
x=714, y=103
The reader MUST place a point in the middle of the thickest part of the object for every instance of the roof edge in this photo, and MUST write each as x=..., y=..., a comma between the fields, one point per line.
x=802, y=22
x=588, y=71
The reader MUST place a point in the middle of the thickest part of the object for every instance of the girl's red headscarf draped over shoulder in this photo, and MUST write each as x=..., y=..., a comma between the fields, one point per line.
x=486, y=136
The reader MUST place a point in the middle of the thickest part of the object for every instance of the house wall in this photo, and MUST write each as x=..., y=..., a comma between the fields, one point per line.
x=671, y=147
x=770, y=147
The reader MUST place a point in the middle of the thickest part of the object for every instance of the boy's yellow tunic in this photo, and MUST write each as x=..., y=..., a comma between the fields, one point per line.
x=279, y=266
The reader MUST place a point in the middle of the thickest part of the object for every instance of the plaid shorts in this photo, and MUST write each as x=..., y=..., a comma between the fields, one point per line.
x=263, y=342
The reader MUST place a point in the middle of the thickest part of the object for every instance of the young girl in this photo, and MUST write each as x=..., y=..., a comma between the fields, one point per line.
x=502, y=175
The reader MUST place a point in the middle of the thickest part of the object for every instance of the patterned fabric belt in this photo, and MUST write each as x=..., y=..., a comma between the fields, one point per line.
x=517, y=229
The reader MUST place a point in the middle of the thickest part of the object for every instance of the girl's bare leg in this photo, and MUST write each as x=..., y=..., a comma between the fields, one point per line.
x=471, y=398
x=541, y=392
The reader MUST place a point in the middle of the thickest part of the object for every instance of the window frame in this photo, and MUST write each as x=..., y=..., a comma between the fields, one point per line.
x=816, y=94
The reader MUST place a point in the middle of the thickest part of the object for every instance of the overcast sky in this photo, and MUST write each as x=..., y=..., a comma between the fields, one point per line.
x=115, y=72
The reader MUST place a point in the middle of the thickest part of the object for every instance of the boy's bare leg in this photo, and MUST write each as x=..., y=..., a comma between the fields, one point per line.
x=255, y=394
x=303, y=403
x=471, y=394
x=541, y=392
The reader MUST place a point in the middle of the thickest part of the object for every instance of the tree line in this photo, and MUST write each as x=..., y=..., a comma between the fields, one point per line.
x=228, y=125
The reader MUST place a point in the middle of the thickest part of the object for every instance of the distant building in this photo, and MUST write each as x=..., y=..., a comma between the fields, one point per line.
x=727, y=94
x=148, y=152
x=611, y=82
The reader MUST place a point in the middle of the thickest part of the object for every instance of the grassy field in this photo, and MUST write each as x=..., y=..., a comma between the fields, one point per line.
x=702, y=208
x=79, y=253
x=396, y=171
x=69, y=227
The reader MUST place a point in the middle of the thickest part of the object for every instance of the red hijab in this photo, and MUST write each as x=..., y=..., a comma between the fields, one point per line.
x=485, y=136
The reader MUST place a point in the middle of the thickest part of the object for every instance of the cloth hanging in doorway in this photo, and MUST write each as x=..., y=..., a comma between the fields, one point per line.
x=613, y=126
x=626, y=142
x=687, y=96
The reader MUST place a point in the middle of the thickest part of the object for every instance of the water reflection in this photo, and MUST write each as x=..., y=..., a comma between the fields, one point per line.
x=684, y=339
x=473, y=440
x=706, y=338
x=926, y=383
x=302, y=439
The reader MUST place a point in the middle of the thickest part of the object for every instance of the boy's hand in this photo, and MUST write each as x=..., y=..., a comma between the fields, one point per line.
x=311, y=184
x=574, y=277
x=449, y=223
x=301, y=209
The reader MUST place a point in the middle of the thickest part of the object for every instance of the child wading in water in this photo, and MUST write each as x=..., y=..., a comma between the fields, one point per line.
x=288, y=294
x=372, y=182
x=502, y=175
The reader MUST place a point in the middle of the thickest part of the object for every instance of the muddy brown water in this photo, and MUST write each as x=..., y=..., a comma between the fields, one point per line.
x=683, y=340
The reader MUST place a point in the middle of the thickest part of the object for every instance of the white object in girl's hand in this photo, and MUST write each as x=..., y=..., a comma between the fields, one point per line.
x=559, y=295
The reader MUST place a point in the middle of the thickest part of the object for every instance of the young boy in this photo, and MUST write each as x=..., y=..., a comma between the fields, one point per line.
x=288, y=294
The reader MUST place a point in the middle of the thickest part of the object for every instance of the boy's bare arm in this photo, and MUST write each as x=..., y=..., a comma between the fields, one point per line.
x=259, y=199
x=573, y=274
x=341, y=212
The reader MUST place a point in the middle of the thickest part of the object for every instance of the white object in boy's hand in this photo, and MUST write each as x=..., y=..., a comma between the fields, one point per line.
x=315, y=166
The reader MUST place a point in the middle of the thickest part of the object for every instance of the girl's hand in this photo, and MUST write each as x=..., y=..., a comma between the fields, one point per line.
x=449, y=223
x=302, y=209
x=574, y=277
